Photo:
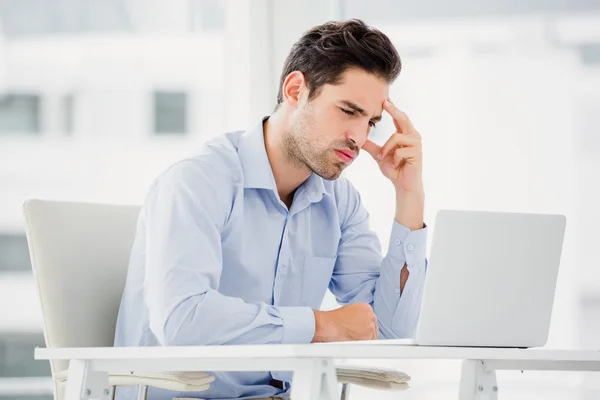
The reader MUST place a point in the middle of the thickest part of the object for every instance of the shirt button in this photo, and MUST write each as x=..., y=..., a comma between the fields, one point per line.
x=411, y=247
x=398, y=242
x=397, y=291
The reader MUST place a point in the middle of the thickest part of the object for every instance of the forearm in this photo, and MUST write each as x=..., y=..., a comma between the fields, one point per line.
x=409, y=212
x=398, y=289
x=403, y=277
x=214, y=319
x=410, y=208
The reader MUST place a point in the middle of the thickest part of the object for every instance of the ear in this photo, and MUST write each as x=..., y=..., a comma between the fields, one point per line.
x=294, y=87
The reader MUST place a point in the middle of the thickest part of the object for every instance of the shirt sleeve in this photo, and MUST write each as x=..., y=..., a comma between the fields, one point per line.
x=361, y=274
x=185, y=212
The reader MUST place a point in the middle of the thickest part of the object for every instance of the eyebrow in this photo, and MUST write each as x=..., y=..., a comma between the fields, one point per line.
x=359, y=110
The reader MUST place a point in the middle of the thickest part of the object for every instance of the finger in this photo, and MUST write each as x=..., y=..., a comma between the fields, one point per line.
x=401, y=121
x=404, y=153
x=372, y=148
x=397, y=140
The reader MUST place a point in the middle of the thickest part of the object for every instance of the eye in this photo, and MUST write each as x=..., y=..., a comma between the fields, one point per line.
x=350, y=112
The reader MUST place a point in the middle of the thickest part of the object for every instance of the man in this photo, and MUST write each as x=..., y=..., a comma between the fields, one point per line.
x=238, y=244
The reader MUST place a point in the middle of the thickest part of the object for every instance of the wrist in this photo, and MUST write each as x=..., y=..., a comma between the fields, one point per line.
x=319, y=327
x=410, y=208
x=417, y=192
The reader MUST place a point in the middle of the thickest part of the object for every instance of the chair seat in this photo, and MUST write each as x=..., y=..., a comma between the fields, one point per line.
x=188, y=381
x=195, y=381
x=374, y=378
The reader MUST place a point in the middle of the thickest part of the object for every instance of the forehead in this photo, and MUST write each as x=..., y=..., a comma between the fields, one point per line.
x=360, y=87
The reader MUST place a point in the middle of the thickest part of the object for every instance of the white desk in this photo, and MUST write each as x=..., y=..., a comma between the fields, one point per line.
x=313, y=364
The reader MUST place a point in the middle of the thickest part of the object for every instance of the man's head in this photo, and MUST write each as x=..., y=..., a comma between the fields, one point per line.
x=332, y=89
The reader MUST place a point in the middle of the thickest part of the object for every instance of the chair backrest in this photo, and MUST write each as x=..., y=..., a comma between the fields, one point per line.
x=79, y=253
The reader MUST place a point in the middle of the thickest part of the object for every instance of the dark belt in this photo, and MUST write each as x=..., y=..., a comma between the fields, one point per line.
x=276, y=383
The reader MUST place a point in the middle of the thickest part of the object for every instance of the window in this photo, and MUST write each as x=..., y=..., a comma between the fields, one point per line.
x=207, y=15
x=14, y=253
x=32, y=397
x=389, y=11
x=67, y=104
x=590, y=54
x=170, y=112
x=19, y=113
x=27, y=378
x=35, y=17
x=587, y=125
x=16, y=356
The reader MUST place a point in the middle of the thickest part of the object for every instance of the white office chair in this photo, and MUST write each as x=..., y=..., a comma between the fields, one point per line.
x=79, y=253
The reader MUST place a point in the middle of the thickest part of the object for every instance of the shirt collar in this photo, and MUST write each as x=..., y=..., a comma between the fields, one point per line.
x=253, y=157
x=257, y=169
x=314, y=187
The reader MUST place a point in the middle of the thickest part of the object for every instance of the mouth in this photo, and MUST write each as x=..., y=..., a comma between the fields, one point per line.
x=345, y=155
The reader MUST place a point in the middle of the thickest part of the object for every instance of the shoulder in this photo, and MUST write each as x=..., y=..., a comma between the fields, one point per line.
x=216, y=161
x=209, y=178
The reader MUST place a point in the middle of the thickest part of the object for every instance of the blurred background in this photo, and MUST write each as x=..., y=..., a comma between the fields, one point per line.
x=98, y=96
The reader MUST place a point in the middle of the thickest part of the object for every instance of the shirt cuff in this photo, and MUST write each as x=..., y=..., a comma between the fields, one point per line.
x=298, y=324
x=409, y=246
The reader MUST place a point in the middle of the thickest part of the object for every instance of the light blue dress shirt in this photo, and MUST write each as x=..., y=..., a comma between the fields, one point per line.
x=219, y=259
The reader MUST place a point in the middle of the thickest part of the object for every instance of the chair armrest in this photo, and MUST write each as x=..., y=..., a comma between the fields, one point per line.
x=374, y=378
x=191, y=381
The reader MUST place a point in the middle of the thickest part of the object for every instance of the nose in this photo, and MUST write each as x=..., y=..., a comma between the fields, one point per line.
x=358, y=134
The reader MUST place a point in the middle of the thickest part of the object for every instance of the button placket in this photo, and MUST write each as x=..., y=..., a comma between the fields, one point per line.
x=282, y=264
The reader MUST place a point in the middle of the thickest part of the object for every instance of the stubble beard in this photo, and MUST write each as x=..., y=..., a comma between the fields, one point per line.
x=300, y=152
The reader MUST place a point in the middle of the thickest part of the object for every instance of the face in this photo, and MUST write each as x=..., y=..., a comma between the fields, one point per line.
x=326, y=133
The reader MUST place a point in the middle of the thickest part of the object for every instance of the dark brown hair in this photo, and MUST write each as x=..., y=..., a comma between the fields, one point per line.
x=326, y=51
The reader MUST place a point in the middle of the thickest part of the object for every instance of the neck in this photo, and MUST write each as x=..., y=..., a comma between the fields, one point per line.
x=288, y=173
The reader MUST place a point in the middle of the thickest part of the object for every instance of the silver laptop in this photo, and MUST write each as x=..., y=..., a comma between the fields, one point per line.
x=490, y=281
